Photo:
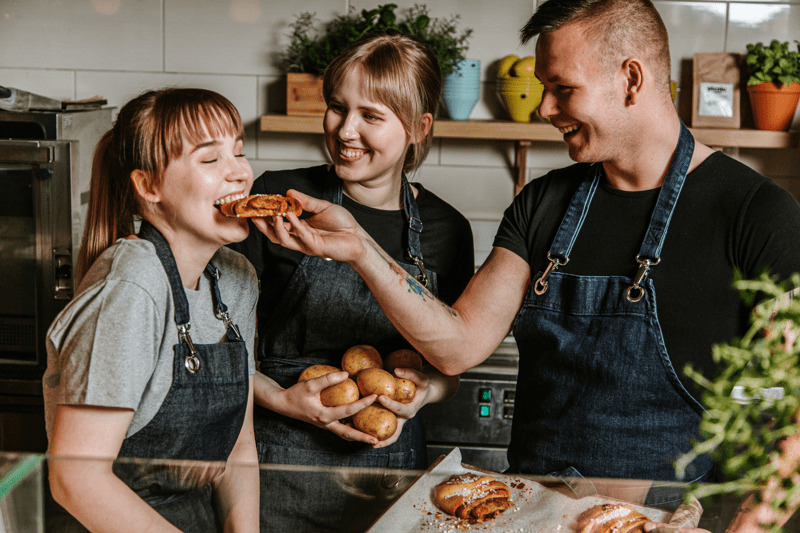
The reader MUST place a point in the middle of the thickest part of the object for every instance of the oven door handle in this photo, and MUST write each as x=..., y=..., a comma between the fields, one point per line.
x=21, y=152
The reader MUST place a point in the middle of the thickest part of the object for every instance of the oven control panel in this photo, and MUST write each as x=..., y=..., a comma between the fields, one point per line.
x=479, y=414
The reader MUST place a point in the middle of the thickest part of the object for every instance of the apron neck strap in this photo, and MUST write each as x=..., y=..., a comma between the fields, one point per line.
x=148, y=232
x=650, y=251
x=668, y=196
x=182, y=317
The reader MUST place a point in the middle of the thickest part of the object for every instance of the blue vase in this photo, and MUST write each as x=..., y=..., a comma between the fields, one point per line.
x=461, y=89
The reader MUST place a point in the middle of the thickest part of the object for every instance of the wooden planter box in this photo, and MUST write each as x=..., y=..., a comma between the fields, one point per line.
x=304, y=94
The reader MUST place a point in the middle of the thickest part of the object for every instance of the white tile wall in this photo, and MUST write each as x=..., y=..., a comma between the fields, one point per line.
x=117, y=48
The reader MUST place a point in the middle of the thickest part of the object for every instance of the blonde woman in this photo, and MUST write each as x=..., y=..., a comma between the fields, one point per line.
x=382, y=94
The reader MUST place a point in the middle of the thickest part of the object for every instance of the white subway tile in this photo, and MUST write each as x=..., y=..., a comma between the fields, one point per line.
x=75, y=34
x=234, y=37
x=119, y=87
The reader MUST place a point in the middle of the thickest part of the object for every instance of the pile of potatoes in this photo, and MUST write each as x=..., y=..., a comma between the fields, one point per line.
x=369, y=374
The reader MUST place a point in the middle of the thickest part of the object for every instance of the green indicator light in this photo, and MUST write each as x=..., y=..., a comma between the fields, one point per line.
x=484, y=412
x=486, y=395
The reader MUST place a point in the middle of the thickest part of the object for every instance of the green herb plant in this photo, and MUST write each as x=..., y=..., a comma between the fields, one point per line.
x=311, y=50
x=740, y=430
x=773, y=63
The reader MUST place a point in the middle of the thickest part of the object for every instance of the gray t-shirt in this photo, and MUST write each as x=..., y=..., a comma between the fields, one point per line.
x=112, y=345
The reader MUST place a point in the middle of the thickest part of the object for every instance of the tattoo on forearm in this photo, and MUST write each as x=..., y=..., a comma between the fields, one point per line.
x=413, y=285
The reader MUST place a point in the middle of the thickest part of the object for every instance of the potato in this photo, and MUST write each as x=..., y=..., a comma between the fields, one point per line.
x=404, y=391
x=359, y=357
x=376, y=381
x=402, y=359
x=316, y=371
x=339, y=394
x=376, y=421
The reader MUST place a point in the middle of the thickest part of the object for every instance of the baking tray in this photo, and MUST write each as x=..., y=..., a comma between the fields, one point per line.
x=538, y=509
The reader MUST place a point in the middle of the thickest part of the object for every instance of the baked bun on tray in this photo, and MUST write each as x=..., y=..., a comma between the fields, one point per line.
x=611, y=518
x=261, y=205
x=473, y=497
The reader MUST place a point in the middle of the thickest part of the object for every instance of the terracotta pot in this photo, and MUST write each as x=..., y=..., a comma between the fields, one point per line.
x=773, y=106
x=304, y=94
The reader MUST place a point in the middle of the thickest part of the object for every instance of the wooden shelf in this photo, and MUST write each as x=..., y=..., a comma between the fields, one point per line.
x=525, y=133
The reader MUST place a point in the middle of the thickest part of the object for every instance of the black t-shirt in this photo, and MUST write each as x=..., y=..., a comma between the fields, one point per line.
x=727, y=217
x=446, y=238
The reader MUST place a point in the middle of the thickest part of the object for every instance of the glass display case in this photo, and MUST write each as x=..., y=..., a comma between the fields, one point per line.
x=21, y=498
x=362, y=499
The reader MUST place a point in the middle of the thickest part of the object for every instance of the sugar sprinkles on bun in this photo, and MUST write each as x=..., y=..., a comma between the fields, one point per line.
x=473, y=497
x=612, y=518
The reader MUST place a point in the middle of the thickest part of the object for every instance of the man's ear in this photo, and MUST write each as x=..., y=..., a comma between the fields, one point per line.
x=634, y=77
x=143, y=183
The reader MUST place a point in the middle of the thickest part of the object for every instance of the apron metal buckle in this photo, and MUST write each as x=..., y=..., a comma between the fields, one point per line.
x=226, y=319
x=192, y=363
x=540, y=286
x=636, y=292
x=423, y=276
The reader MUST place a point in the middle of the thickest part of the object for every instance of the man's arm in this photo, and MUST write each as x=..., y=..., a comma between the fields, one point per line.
x=452, y=339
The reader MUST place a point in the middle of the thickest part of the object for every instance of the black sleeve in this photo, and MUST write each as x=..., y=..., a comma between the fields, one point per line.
x=529, y=224
x=513, y=232
x=770, y=233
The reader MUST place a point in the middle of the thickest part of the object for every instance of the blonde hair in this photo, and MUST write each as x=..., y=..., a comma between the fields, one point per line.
x=401, y=73
x=148, y=133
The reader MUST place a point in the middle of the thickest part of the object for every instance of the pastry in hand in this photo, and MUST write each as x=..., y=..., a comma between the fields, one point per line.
x=612, y=518
x=473, y=497
x=261, y=205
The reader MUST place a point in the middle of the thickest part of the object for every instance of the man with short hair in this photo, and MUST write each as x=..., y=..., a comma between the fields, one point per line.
x=582, y=252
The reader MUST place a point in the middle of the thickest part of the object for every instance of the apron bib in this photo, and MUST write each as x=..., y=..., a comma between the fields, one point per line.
x=599, y=393
x=306, y=328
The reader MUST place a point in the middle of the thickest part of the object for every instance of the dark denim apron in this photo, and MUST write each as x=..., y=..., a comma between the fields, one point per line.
x=325, y=309
x=597, y=392
x=200, y=419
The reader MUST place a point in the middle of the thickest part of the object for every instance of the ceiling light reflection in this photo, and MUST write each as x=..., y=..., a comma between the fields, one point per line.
x=245, y=11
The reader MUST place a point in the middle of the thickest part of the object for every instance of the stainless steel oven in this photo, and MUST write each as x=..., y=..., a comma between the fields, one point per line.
x=477, y=419
x=45, y=167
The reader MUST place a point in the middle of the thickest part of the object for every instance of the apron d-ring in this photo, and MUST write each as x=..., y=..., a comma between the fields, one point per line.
x=423, y=275
x=636, y=292
x=540, y=286
x=192, y=362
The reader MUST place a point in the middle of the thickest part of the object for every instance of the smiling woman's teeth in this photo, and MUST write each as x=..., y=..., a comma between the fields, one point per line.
x=352, y=155
x=568, y=129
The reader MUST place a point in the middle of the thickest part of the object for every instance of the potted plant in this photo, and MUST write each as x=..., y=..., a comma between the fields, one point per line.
x=754, y=402
x=774, y=84
x=310, y=51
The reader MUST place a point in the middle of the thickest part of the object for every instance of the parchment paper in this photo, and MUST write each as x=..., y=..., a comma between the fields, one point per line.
x=537, y=509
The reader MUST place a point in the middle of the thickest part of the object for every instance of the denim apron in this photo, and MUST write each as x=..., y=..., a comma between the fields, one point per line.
x=598, y=393
x=325, y=309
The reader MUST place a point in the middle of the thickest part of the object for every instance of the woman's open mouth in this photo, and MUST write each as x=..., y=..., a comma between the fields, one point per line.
x=228, y=198
x=350, y=155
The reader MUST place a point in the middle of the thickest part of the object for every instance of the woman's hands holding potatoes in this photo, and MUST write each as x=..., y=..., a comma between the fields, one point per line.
x=406, y=408
x=317, y=399
x=369, y=376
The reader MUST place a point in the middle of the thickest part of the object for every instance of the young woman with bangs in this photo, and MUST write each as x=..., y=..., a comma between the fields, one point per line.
x=382, y=94
x=150, y=359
